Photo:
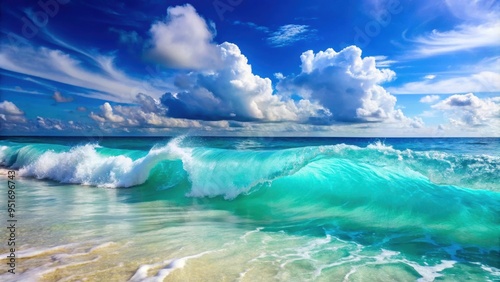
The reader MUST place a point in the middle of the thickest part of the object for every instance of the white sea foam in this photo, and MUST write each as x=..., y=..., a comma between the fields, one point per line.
x=141, y=275
x=351, y=272
x=85, y=165
x=61, y=258
x=33, y=252
x=248, y=145
x=493, y=270
x=244, y=236
x=430, y=273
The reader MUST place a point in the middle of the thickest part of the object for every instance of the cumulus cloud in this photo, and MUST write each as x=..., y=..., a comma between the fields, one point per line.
x=470, y=110
x=429, y=99
x=183, y=40
x=107, y=114
x=347, y=85
x=232, y=93
x=9, y=108
x=221, y=86
x=13, y=120
x=49, y=124
x=147, y=113
x=58, y=97
x=10, y=115
x=334, y=87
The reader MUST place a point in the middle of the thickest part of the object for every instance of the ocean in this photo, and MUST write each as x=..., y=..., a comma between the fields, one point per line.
x=252, y=209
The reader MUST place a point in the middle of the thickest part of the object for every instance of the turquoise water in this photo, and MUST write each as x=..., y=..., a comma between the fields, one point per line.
x=289, y=209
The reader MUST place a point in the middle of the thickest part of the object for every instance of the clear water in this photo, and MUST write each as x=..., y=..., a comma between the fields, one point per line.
x=256, y=209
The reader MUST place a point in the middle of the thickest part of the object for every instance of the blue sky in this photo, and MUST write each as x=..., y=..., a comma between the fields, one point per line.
x=242, y=67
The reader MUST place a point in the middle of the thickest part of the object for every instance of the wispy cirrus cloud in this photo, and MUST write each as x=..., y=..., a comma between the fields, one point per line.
x=463, y=37
x=483, y=76
x=289, y=34
x=485, y=81
x=107, y=82
x=383, y=61
x=283, y=36
x=479, y=28
x=476, y=10
x=253, y=25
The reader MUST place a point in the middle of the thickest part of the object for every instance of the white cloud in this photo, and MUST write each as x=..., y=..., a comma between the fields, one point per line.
x=288, y=34
x=347, y=85
x=284, y=35
x=485, y=81
x=482, y=76
x=11, y=116
x=107, y=112
x=9, y=108
x=49, y=124
x=487, y=64
x=224, y=86
x=471, y=110
x=252, y=25
x=380, y=9
x=477, y=10
x=383, y=62
x=55, y=65
x=232, y=93
x=428, y=114
x=183, y=40
x=429, y=99
x=148, y=113
x=279, y=75
x=13, y=120
x=463, y=37
x=480, y=28
x=58, y=97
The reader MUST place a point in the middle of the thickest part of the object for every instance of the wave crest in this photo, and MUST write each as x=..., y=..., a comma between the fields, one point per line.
x=85, y=165
x=229, y=173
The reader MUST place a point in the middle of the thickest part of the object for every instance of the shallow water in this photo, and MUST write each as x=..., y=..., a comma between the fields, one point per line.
x=253, y=209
